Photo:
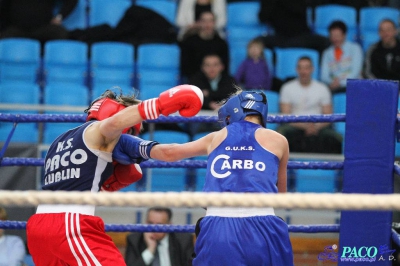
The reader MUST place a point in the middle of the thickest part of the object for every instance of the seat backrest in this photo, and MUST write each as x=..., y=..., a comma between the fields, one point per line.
x=78, y=19
x=243, y=13
x=20, y=59
x=107, y=12
x=112, y=54
x=370, y=17
x=339, y=107
x=167, y=9
x=326, y=14
x=161, y=56
x=17, y=92
x=66, y=95
x=286, y=61
x=313, y=180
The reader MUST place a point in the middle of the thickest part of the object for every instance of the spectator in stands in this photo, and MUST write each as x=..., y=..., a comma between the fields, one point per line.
x=159, y=248
x=289, y=21
x=215, y=83
x=188, y=14
x=12, y=248
x=207, y=41
x=34, y=19
x=383, y=58
x=342, y=60
x=253, y=72
x=305, y=96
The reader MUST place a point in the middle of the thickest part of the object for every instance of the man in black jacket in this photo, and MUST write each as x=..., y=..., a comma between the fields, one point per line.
x=157, y=249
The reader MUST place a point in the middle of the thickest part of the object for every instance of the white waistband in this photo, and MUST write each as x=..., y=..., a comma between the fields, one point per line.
x=238, y=212
x=59, y=208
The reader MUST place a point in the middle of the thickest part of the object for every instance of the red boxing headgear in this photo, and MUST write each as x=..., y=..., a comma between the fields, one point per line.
x=106, y=107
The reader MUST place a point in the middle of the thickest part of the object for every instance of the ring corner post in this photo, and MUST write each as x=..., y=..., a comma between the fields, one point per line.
x=371, y=112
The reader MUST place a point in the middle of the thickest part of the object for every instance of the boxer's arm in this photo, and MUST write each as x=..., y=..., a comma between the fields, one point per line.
x=130, y=149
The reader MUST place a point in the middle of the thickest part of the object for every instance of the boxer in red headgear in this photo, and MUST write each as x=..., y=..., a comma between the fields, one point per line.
x=97, y=156
x=101, y=108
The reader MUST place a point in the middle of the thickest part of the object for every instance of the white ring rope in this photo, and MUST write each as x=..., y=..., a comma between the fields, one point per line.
x=331, y=201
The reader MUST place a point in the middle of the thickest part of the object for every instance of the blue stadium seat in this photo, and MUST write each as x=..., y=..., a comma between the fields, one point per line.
x=273, y=106
x=107, y=12
x=28, y=260
x=167, y=179
x=157, y=64
x=239, y=36
x=326, y=14
x=66, y=61
x=63, y=95
x=243, y=14
x=112, y=63
x=316, y=180
x=370, y=18
x=20, y=60
x=21, y=93
x=151, y=91
x=78, y=18
x=286, y=61
x=369, y=39
x=165, y=8
x=99, y=89
x=339, y=107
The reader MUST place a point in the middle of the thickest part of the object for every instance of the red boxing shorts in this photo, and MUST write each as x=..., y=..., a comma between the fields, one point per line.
x=70, y=239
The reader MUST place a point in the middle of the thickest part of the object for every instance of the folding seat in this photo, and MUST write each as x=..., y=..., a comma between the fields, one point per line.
x=339, y=107
x=326, y=14
x=166, y=179
x=165, y=8
x=112, y=64
x=63, y=95
x=370, y=18
x=21, y=94
x=66, y=61
x=20, y=60
x=157, y=64
x=107, y=12
x=286, y=61
x=316, y=180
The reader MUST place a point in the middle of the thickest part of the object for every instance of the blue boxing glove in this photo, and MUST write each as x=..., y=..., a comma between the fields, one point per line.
x=131, y=149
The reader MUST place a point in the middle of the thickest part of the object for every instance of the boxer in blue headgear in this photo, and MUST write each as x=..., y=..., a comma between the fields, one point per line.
x=243, y=157
x=243, y=104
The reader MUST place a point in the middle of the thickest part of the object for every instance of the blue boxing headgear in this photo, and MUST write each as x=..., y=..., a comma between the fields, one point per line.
x=244, y=104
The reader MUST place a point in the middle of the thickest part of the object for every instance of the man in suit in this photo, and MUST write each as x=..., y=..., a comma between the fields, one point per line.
x=159, y=249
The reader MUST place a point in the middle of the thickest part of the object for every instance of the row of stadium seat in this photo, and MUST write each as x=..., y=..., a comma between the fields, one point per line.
x=242, y=20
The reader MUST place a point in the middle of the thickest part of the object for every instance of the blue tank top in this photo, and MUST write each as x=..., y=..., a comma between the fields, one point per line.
x=70, y=165
x=241, y=164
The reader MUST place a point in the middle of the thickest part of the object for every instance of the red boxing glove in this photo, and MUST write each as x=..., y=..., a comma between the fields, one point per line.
x=187, y=99
x=123, y=176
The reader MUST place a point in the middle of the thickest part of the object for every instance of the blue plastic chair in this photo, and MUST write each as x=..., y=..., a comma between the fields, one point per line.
x=20, y=60
x=326, y=14
x=107, y=12
x=165, y=8
x=78, y=17
x=273, y=106
x=151, y=91
x=243, y=14
x=63, y=95
x=369, y=39
x=19, y=93
x=316, y=180
x=167, y=179
x=99, y=89
x=66, y=61
x=286, y=61
x=112, y=63
x=371, y=17
x=157, y=64
x=239, y=36
x=339, y=107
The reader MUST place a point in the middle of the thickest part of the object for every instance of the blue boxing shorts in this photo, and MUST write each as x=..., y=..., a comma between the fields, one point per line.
x=242, y=241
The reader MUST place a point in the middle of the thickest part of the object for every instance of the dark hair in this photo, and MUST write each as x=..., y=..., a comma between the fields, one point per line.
x=126, y=100
x=168, y=211
x=338, y=24
x=305, y=57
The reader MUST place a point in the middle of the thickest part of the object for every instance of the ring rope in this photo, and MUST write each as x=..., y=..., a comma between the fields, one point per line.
x=179, y=164
x=200, y=199
x=27, y=118
x=168, y=228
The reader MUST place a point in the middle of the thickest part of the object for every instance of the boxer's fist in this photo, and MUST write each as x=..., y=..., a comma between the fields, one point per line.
x=131, y=149
x=187, y=99
x=122, y=176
